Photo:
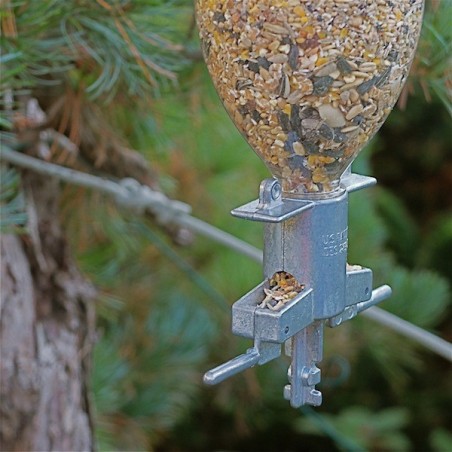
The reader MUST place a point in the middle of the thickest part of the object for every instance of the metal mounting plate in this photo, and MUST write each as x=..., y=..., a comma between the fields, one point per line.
x=288, y=208
x=353, y=182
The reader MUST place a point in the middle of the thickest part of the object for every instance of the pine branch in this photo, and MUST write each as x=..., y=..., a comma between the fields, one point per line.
x=431, y=71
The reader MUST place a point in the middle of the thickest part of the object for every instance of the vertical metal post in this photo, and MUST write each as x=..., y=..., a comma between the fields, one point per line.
x=311, y=246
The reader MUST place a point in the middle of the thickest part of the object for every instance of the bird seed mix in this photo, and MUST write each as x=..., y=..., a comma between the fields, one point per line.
x=308, y=82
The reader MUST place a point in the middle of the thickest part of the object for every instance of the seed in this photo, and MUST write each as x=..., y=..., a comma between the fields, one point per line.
x=253, y=66
x=263, y=62
x=360, y=74
x=284, y=48
x=383, y=77
x=354, y=96
x=321, y=85
x=345, y=96
x=298, y=148
x=307, y=87
x=218, y=17
x=310, y=123
x=358, y=120
x=369, y=110
x=356, y=21
x=310, y=147
x=349, y=129
x=284, y=121
x=309, y=112
x=368, y=67
x=347, y=86
x=274, y=46
x=299, y=11
x=355, y=110
x=247, y=42
x=339, y=137
x=343, y=66
x=332, y=116
x=273, y=28
x=293, y=56
x=366, y=86
x=326, y=69
x=284, y=86
x=265, y=74
x=279, y=58
x=326, y=132
x=295, y=96
x=242, y=84
x=335, y=74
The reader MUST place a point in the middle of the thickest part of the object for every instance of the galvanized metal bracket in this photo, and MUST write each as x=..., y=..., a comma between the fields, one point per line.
x=271, y=207
x=308, y=239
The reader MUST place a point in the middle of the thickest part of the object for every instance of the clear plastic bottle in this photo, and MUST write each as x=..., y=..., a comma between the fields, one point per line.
x=309, y=82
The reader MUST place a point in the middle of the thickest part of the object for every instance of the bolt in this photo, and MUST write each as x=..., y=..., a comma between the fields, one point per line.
x=311, y=376
x=314, y=398
x=276, y=191
x=287, y=392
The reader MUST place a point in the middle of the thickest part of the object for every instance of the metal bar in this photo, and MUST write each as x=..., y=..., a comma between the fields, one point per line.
x=423, y=337
x=232, y=367
x=307, y=349
x=378, y=295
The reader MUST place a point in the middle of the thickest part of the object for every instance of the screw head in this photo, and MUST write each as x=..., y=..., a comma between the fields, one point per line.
x=276, y=191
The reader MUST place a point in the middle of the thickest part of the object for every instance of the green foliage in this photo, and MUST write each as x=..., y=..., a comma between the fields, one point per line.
x=403, y=231
x=436, y=250
x=420, y=297
x=105, y=48
x=433, y=73
x=369, y=430
x=441, y=440
x=149, y=379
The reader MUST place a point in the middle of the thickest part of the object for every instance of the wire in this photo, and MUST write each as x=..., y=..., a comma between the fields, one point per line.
x=206, y=229
x=428, y=340
x=60, y=172
x=131, y=194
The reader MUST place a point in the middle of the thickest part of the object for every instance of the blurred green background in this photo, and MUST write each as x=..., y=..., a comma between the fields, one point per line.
x=163, y=305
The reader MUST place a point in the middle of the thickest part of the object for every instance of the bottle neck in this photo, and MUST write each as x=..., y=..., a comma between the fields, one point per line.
x=335, y=191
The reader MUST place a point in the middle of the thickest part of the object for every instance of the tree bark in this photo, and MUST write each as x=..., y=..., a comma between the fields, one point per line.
x=46, y=333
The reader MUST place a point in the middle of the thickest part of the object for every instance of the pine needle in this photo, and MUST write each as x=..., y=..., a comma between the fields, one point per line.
x=133, y=49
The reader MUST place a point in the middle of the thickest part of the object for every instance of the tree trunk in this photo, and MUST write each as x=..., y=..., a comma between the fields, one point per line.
x=46, y=333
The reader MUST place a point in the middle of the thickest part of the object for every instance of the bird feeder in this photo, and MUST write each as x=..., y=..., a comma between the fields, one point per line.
x=307, y=83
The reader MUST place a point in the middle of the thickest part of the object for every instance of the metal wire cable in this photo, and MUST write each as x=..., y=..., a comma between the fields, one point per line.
x=428, y=340
x=131, y=194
